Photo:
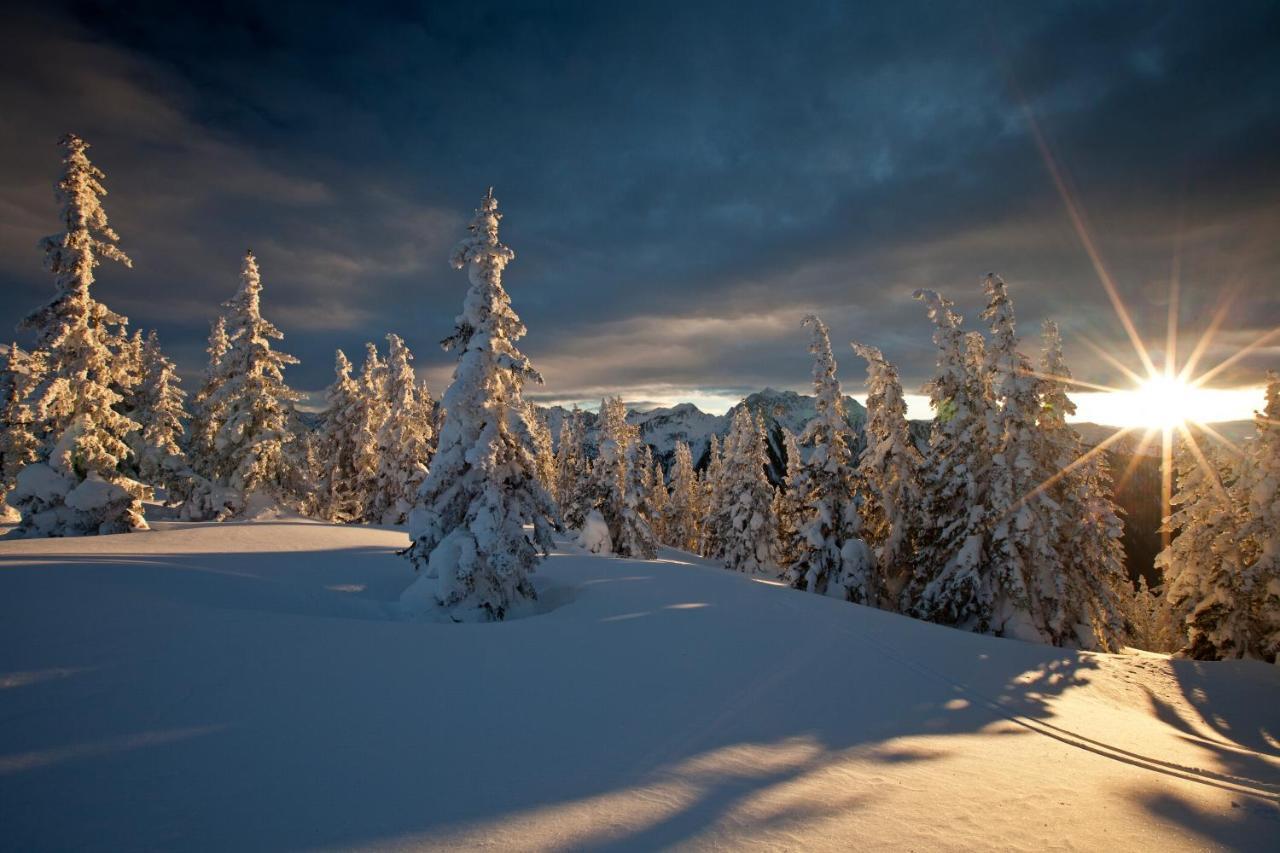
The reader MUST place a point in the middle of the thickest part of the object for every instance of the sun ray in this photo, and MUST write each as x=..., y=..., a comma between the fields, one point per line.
x=1086, y=239
x=1171, y=322
x=1202, y=345
x=1136, y=378
x=1236, y=356
x=1204, y=464
x=1069, y=381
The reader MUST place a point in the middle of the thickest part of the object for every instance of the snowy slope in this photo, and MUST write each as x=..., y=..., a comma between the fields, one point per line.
x=218, y=687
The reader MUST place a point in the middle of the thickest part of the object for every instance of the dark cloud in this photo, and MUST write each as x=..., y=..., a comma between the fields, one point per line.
x=682, y=182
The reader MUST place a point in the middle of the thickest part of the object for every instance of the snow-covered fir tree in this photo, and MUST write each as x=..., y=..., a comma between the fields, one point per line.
x=374, y=408
x=890, y=469
x=790, y=507
x=405, y=440
x=833, y=558
x=1259, y=489
x=18, y=443
x=543, y=454
x=1030, y=599
x=77, y=487
x=252, y=406
x=658, y=495
x=1151, y=622
x=682, y=514
x=619, y=486
x=161, y=461
x=742, y=516
x=340, y=498
x=204, y=424
x=482, y=489
x=1203, y=566
x=1087, y=608
x=1222, y=569
x=575, y=486
x=636, y=535
x=950, y=583
x=712, y=546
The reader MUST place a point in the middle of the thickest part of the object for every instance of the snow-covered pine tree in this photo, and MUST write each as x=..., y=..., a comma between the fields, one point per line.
x=1203, y=565
x=890, y=468
x=405, y=440
x=340, y=498
x=636, y=536
x=18, y=444
x=204, y=426
x=543, y=455
x=712, y=546
x=833, y=558
x=130, y=352
x=789, y=505
x=575, y=486
x=77, y=488
x=252, y=406
x=658, y=497
x=161, y=461
x=682, y=515
x=372, y=383
x=1259, y=490
x=743, y=516
x=1222, y=569
x=482, y=489
x=950, y=584
x=1088, y=607
x=1023, y=564
x=1151, y=622
x=619, y=486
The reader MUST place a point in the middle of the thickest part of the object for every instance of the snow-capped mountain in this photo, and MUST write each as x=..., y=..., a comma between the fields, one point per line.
x=662, y=428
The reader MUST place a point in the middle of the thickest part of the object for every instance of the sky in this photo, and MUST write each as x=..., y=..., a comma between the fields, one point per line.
x=681, y=182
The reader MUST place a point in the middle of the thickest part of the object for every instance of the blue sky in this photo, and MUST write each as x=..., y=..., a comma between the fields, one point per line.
x=682, y=182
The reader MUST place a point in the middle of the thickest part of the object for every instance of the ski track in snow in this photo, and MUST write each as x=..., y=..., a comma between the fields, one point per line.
x=256, y=686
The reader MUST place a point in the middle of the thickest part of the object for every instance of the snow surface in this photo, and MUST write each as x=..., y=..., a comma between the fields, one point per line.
x=253, y=686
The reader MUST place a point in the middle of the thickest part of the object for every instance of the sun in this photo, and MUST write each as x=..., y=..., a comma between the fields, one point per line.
x=1165, y=402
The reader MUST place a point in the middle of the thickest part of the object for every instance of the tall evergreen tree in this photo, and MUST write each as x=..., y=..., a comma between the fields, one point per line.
x=405, y=440
x=1025, y=571
x=77, y=486
x=575, y=489
x=790, y=506
x=161, y=412
x=742, y=517
x=712, y=479
x=1088, y=606
x=682, y=515
x=950, y=582
x=541, y=446
x=204, y=425
x=482, y=489
x=890, y=467
x=18, y=444
x=658, y=496
x=833, y=559
x=340, y=498
x=619, y=486
x=1222, y=569
x=252, y=406
x=373, y=410
x=1259, y=491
